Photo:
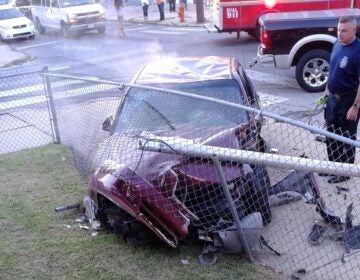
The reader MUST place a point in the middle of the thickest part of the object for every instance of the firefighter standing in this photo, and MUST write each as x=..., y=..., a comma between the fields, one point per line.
x=343, y=94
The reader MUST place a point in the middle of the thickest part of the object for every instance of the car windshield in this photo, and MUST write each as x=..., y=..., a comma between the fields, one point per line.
x=10, y=13
x=20, y=3
x=69, y=3
x=147, y=110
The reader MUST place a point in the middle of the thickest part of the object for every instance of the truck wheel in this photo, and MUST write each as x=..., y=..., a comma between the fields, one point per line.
x=255, y=32
x=64, y=30
x=312, y=70
x=101, y=30
x=39, y=27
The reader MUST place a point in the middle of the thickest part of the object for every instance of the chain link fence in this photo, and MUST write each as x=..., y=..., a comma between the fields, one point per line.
x=25, y=120
x=179, y=167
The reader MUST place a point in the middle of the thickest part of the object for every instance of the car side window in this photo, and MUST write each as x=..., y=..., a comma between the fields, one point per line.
x=54, y=4
x=36, y=2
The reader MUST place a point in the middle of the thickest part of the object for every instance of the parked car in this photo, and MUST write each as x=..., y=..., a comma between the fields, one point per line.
x=13, y=24
x=171, y=195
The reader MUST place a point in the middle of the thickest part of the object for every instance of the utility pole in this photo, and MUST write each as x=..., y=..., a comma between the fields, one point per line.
x=200, y=18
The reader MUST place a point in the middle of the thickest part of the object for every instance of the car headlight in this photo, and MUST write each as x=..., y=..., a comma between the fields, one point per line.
x=72, y=18
x=30, y=24
x=110, y=166
x=102, y=12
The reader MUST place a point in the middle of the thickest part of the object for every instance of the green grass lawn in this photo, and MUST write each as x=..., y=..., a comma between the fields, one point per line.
x=37, y=243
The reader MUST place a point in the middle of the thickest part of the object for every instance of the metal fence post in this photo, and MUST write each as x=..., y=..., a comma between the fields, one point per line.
x=232, y=208
x=53, y=119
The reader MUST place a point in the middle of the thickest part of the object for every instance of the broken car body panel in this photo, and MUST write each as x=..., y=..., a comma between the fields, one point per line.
x=169, y=192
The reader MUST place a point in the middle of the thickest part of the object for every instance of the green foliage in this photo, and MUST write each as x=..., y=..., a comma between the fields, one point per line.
x=37, y=243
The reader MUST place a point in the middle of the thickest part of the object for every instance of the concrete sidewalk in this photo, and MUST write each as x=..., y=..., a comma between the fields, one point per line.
x=9, y=57
x=133, y=13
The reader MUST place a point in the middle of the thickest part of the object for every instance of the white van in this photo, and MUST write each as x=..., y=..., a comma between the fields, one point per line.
x=68, y=16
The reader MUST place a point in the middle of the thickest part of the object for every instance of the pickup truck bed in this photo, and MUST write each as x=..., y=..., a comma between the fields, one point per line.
x=302, y=39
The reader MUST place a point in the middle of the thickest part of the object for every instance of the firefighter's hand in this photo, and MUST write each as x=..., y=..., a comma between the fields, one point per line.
x=352, y=113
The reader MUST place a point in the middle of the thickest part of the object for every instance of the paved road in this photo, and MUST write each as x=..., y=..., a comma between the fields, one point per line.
x=109, y=57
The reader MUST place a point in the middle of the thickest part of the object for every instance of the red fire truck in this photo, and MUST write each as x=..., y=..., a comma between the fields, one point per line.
x=243, y=15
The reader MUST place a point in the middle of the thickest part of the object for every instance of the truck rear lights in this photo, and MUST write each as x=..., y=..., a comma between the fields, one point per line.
x=265, y=39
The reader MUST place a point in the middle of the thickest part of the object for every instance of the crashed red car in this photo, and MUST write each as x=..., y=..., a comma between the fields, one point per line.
x=141, y=194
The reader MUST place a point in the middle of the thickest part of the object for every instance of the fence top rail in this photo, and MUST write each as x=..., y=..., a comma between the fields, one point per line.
x=72, y=77
x=187, y=147
x=258, y=112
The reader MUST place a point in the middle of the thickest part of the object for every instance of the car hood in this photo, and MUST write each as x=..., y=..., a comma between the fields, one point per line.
x=122, y=152
x=83, y=9
x=14, y=21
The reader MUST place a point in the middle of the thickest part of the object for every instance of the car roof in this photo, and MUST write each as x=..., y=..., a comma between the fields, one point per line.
x=186, y=69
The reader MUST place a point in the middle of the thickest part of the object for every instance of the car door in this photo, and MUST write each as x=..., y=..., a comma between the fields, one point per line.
x=50, y=18
x=54, y=14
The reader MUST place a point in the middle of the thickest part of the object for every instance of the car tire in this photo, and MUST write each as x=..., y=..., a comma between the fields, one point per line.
x=312, y=70
x=39, y=26
x=101, y=30
x=31, y=37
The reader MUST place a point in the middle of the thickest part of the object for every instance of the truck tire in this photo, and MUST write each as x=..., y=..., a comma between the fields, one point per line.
x=101, y=30
x=312, y=70
x=39, y=26
x=64, y=30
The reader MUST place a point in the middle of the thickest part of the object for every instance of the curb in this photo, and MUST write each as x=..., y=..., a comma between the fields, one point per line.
x=171, y=23
x=12, y=57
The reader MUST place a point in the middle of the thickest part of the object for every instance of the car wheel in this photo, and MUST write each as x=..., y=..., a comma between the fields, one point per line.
x=39, y=26
x=312, y=70
x=31, y=37
x=101, y=29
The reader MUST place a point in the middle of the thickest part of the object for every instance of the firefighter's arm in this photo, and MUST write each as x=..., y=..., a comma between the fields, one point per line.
x=352, y=113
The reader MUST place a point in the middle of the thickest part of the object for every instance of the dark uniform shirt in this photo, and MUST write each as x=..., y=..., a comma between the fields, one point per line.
x=344, y=69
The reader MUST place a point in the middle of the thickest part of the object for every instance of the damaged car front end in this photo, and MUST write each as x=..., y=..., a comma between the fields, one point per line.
x=140, y=194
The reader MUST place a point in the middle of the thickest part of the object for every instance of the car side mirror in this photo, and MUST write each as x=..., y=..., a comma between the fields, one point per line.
x=108, y=122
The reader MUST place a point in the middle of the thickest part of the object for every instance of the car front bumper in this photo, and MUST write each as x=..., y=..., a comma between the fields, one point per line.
x=8, y=34
x=90, y=26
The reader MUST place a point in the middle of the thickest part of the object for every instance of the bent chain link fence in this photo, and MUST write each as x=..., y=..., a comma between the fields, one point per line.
x=169, y=139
